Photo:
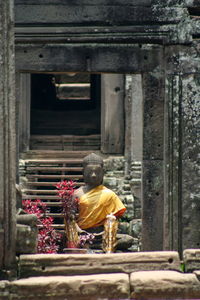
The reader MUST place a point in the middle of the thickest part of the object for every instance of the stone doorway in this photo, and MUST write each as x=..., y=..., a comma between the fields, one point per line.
x=72, y=111
x=65, y=111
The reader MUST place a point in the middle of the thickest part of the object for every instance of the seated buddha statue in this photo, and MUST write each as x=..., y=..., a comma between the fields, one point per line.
x=95, y=200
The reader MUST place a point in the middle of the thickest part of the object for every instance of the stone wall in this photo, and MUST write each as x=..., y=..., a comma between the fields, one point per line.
x=117, y=179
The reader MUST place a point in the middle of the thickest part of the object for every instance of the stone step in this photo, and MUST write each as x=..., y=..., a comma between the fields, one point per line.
x=139, y=285
x=50, y=176
x=65, y=142
x=77, y=264
x=85, y=287
x=38, y=192
x=48, y=184
x=41, y=197
x=52, y=162
x=54, y=169
x=53, y=154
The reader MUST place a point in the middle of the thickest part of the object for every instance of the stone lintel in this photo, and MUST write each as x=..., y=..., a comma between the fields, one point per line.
x=114, y=58
x=76, y=264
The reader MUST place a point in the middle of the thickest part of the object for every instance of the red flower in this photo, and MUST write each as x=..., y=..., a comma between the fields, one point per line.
x=65, y=190
x=48, y=238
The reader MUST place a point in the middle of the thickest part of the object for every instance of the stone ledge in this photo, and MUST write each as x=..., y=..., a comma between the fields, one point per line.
x=140, y=285
x=191, y=259
x=80, y=264
x=164, y=284
x=115, y=286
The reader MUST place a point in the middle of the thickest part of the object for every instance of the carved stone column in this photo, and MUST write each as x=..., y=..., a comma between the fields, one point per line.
x=153, y=161
x=7, y=137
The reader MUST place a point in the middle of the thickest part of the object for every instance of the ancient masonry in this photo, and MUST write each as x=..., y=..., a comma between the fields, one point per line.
x=141, y=275
x=157, y=43
x=128, y=188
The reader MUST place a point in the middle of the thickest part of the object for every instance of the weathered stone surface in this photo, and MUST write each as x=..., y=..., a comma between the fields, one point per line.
x=190, y=114
x=27, y=219
x=191, y=258
x=172, y=206
x=164, y=284
x=26, y=239
x=79, y=14
x=182, y=205
x=73, y=287
x=92, y=58
x=197, y=273
x=7, y=137
x=152, y=214
x=63, y=264
x=135, y=227
x=124, y=241
x=152, y=165
x=4, y=289
x=112, y=103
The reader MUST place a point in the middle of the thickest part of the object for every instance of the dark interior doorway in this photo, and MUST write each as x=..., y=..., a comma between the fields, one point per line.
x=65, y=104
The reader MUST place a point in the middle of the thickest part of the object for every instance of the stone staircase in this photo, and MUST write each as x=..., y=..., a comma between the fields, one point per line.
x=40, y=170
x=139, y=275
x=66, y=142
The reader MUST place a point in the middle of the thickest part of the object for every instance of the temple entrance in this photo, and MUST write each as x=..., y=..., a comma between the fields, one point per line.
x=65, y=111
x=72, y=111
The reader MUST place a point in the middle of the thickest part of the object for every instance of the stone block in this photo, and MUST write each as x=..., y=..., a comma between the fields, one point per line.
x=72, y=287
x=4, y=289
x=135, y=227
x=152, y=231
x=26, y=239
x=191, y=258
x=124, y=241
x=77, y=264
x=164, y=285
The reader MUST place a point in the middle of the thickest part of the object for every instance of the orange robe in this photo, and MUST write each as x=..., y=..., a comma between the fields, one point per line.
x=96, y=204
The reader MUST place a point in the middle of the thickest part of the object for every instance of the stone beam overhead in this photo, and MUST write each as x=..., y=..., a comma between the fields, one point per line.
x=92, y=58
x=102, y=22
x=142, y=3
x=89, y=14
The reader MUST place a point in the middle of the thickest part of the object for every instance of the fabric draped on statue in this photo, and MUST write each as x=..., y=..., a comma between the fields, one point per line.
x=96, y=204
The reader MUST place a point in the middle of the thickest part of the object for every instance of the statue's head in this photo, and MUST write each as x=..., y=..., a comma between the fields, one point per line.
x=93, y=170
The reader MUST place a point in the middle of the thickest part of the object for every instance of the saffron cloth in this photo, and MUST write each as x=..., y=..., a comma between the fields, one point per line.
x=96, y=204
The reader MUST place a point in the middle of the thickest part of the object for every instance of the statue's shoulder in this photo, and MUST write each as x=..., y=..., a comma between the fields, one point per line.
x=79, y=192
x=108, y=191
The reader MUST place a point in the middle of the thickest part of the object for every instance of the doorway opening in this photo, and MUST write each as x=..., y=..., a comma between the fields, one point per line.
x=65, y=107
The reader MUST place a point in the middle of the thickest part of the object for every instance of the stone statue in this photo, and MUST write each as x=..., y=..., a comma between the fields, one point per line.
x=96, y=201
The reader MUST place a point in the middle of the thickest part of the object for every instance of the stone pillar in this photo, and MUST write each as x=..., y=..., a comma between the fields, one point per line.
x=182, y=223
x=134, y=118
x=134, y=136
x=153, y=165
x=24, y=111
x=182, y=201
x=112, y=113
x=7, y=137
